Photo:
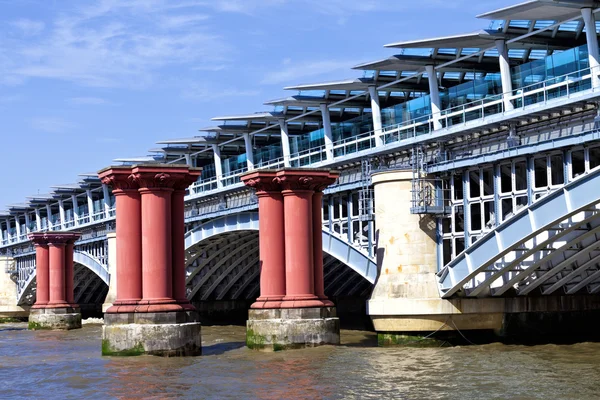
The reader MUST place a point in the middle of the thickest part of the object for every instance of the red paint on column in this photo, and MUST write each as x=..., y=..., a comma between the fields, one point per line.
x=182, y=181
x=57, y=274
x=42, y=262
x=156, y=246
x=299, y=270
x=271, y=238
x=129, y=237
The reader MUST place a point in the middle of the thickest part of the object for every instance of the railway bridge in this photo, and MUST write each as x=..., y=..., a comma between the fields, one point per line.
x=468, y=185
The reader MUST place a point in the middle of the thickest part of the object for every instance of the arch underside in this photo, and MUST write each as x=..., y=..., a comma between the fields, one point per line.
x=226, y=267
x=90, y=282
x=551, y=247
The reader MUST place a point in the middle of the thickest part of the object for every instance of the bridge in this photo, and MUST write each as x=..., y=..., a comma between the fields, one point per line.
x=493, y=137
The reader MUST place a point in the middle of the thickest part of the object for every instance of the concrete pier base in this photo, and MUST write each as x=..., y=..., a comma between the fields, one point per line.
x=293, y=328
x=65, y=318
x=167, y=334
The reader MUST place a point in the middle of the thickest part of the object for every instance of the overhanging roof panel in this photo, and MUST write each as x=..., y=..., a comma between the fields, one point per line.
x=403, y=63
x=555, y=10
x=477, y=39
x=250, y=117
x=346, y=84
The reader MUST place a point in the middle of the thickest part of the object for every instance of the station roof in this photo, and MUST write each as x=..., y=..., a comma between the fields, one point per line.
x=541, y=10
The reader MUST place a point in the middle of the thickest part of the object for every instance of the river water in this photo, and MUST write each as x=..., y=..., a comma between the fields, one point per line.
x=68, y=365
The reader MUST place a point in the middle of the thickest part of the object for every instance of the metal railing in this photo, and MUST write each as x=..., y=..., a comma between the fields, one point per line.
x=562, y=86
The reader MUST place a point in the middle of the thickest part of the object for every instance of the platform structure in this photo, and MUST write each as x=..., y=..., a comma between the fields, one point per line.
x=479, y=135
x=292, y=310
x=151, y=314
x=55, y=307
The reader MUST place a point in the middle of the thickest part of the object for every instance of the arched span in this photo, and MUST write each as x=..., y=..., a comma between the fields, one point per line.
x=545, y=246
x=248, y=221
x=79, y=257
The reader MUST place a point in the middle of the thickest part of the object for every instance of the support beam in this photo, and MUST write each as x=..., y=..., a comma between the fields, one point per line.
x=90, y=201
x=27, y=223
x=285, y=142
x=106, y=199
x=38, y=220
x=327, y=130
x=8, y=233
x=592, y=44
x=376, y=114
x=249, y=152
x=18, y=227
x=218, y=164
x=75, y=209
x=505, y=73
x=434, y=96
x=49, y=223
x=61, y=214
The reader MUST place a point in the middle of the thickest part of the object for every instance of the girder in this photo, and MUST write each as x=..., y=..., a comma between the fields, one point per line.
x=525, y=250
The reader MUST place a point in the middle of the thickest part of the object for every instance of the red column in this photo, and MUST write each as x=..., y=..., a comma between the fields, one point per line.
x=69, y=273
x=129, y=237
x=42, y=262
x=303, y=236
x=150, y=236
x=156, y=246
x=57, y=273
x=271, y=238
x=178, y=235
x=317, y=207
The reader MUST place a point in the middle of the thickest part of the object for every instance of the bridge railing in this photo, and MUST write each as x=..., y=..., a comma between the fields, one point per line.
x=447, y=121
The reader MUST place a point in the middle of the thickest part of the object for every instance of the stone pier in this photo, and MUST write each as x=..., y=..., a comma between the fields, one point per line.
x=55, y=307
x=405, y=305
x=8, y=292
x=150, y=313
x=292, y=310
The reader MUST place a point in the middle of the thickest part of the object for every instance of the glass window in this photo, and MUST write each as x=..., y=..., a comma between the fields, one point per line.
x=557, y=169
x=577, y=163
x=540, y=172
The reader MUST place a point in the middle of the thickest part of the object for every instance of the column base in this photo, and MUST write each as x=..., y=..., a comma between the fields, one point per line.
x=293, y=328
x=64, y=318
x=167, y=334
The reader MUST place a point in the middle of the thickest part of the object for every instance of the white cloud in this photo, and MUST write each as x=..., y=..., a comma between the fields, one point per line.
x=28, y=27
x=182, y=21
x=204, y=92
x=51, y=124
x=292, y=71
x=114, y=44
x=92, y=101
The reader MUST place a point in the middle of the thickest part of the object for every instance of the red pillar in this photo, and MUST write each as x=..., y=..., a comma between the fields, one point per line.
x=303, y=236
x=156, y=246
x=161, y=283
x=178, y=236
x=129, y=237
x=42, y=262
x=271, y=238
x=57, y=273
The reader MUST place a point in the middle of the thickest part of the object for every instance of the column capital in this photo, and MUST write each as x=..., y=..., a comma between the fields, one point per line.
x=263, y=181
x=306, y=179
x=164, y=176
x=119, y=178
x=54, y=238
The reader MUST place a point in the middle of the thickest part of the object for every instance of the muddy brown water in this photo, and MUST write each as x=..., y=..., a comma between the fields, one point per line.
x=68, y=365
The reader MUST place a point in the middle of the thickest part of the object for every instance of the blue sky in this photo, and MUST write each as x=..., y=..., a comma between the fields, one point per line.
x=85, y=82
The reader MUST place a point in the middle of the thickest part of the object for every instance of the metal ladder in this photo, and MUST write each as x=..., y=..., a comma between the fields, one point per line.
x=365, y=194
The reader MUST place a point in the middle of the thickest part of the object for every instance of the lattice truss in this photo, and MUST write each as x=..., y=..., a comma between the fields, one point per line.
x=226, y=267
